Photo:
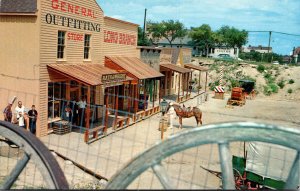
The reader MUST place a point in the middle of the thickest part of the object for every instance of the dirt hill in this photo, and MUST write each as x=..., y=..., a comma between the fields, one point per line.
x=278, y=82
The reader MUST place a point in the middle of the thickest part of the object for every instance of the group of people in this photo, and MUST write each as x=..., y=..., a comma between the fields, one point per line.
x=20, y=116
x=75, y=112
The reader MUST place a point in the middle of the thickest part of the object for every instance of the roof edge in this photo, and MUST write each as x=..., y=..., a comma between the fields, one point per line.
x=121, y=21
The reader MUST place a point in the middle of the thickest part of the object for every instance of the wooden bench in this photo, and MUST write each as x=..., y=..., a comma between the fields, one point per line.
x=94, y=131
x=121, y=122
x=139, y=116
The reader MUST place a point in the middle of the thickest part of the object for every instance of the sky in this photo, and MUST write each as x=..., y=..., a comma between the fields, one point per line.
x=251, y=15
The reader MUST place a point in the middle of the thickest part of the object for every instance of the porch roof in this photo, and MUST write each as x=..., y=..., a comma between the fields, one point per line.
x=175, y=68
x=195, y=67
x=133, y=65
x=90, y=74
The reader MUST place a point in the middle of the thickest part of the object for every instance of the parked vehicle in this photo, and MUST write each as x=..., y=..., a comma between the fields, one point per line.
x=225, y=57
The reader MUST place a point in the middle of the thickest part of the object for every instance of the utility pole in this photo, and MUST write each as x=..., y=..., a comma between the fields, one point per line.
x=270, y=35
x=144, y=31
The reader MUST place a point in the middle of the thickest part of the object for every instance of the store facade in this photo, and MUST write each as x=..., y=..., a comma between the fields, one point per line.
x=61, y=48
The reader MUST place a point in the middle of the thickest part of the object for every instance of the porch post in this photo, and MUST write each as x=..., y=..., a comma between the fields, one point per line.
x=206, y=82
x=87, y=116
x=179, y=86
x=145, y=94
x=116, y=105
x=199, y=82
x=68, y=87
x=129, y=98
x=166, y=78
x=154, y=91
x=106, y=110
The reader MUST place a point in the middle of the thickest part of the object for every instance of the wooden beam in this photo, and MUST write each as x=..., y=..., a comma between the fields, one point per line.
x=87, y=114
x=154, y=91
x=129, y=97
x=166, y=79
x=68, y=88
x=145, y=94
x=199, y=84
x=106, y=109
x=116, y=104
x=179, y=85
x=206, y=82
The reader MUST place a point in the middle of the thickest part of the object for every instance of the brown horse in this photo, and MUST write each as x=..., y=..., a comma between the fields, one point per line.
x=187, y=113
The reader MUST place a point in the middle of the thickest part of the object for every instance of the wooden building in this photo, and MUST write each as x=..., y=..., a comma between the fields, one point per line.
x=56, y=51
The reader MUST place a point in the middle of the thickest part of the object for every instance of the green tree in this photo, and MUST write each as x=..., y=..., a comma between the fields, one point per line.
x=204, y=37
x=232, y=37
x=142, y=41
x=169, y=30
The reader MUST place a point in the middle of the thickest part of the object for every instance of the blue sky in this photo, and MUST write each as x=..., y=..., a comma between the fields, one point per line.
x=251, y=15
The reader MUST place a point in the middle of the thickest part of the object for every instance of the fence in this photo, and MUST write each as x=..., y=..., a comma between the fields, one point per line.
x=89, y=165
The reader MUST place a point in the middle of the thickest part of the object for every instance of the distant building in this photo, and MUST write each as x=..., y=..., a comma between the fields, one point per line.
x=259, y=48
x=296, y=55
x=214, y=52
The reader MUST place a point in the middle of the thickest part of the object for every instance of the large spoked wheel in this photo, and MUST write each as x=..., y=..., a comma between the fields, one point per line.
x=35, y=151
x=222, y=134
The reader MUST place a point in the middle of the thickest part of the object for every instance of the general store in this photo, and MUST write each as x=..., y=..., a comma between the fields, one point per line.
x=65, y=51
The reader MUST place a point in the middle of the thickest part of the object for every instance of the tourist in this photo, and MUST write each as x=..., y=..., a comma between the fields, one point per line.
x=20, y=111
x=81, y=112
x=8, y=113
x=32, y=114
x=171, y=113
x=68, y=112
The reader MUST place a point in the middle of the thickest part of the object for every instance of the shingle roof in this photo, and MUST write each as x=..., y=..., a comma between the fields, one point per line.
x=18, y=6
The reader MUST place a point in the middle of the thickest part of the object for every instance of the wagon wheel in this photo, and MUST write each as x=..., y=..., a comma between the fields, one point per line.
x=34, y=150
x=222, y=134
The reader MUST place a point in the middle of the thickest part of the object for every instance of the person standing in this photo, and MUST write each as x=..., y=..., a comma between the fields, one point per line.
x=81, y=112
x=68, y=112
x=32, y=114
x=171, y=114
x=20, y=111
x=8, y=113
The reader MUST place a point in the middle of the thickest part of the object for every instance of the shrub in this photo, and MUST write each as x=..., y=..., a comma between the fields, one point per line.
x=281, y=84
x=261, y=68
x=269, y=78
x=267, y=90
x=291, y=81
x=274, y=88
x=290, y=91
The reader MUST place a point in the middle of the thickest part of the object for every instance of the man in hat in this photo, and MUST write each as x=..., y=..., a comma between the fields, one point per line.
x=32, y=114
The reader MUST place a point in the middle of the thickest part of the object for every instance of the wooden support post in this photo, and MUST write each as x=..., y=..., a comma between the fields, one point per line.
x=116, y=104
x=129, y=98
x=199, y=84
x=154, y=91
x=106, y=110
x=145, y=94
x=68, y=90
x=206, y=82
x=87, y=114
x=187, y=84
x=136, y=101
x=179, y=86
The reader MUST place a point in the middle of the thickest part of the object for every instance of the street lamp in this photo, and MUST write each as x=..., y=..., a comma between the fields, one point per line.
x=163, y=106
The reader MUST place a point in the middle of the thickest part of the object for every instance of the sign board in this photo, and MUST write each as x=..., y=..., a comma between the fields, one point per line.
x=113, y=77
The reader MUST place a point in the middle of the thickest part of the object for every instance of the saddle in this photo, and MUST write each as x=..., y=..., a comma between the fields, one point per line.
x=186, y=111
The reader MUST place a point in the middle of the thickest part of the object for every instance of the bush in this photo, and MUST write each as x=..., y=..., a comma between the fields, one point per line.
x=290, y=91
x=274, y=88
x=269, y=78
x=261, y=68
x=291, y=81
x=281, y=84
x=267, y=90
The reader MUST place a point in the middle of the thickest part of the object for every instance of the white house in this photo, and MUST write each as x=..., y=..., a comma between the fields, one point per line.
x=216, y=51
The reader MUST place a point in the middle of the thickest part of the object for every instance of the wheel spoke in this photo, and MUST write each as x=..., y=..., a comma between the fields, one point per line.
x=162, y=175
x=226, y=166
x=293, y=179
x=10, y=179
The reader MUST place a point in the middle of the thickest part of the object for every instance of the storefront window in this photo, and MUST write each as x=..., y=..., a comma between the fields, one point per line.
x=87, y=39
x=61, y=44
x=56, y=99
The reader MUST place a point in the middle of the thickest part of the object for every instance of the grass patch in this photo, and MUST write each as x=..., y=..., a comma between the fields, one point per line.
x=261, y=68
x=290, y=91
x=281, y=84
x=270, y=89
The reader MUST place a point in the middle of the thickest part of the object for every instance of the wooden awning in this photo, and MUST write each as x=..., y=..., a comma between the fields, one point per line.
x=175, y=68
x=192, y=66
x=90, y=74
x=134, y=67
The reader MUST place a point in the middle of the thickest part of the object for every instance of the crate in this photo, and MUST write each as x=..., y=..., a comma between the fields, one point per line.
x=61, y=127
x=219, y=95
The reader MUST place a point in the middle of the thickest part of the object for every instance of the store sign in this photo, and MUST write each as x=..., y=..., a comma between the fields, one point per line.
x=71, y=22
x=113, y=77
x=64, y=6
x=75, y=36
x=119, y=38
